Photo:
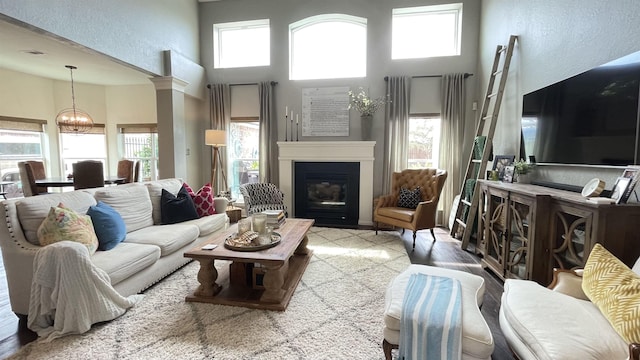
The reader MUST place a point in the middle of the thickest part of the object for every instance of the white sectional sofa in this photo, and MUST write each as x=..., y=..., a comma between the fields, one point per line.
x=149, y=252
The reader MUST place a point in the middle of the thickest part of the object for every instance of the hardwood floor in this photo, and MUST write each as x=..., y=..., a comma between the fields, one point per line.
x=445, y=252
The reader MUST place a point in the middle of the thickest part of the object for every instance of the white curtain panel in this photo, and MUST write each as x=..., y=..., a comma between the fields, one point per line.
x=452, y=136
x=396, y=128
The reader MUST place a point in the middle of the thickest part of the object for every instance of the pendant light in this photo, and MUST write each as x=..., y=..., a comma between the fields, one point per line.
x=73, y=120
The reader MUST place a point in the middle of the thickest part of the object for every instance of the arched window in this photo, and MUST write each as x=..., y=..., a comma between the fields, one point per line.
x=328, y=46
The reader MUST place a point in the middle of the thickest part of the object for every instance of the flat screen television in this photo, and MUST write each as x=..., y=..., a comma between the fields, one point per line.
x=591, y=118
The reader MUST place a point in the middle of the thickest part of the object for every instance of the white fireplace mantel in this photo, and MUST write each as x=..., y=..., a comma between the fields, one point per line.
x=334, y=151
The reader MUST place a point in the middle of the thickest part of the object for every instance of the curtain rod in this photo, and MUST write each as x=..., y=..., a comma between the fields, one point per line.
x=466, y=75
x=273, y=83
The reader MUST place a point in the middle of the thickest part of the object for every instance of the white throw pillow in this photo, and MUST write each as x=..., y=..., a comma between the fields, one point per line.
x=131, y=202
x=155, y=193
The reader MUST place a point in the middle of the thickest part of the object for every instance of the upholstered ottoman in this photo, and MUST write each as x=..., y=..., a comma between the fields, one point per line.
x=477, y=342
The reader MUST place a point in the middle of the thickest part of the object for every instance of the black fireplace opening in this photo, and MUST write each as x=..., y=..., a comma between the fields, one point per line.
x=328, y=192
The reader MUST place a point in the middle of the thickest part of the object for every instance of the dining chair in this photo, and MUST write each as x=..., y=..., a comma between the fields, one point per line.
x=88, y=174
x=136, y=171
x=126, y=170
x=30, y=171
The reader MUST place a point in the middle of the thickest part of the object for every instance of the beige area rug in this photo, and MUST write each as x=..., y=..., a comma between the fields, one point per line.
x=335, y=313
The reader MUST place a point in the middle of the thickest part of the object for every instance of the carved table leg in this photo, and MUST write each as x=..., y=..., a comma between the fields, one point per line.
x=272, y=281
x=207, y=276
x=302, y=248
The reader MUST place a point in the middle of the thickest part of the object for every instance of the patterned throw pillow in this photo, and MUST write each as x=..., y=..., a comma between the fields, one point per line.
x=409, y=198
x=203, y=199
x=615, y=290
x=65, y=224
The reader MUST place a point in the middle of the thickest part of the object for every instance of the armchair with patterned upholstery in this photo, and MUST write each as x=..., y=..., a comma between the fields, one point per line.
x=259, y=197
x=401, y=211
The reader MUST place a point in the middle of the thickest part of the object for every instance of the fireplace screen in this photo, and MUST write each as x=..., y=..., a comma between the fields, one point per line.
x=327, y=192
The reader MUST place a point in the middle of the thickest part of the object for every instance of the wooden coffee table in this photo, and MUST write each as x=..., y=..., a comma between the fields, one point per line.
x=264, y=279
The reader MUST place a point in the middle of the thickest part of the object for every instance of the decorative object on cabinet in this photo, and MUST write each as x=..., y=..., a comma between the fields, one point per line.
x=500, y=162
x=619, y=188
x=508, y=174
x=523, y=171
x=634, y=174
x=593, y=188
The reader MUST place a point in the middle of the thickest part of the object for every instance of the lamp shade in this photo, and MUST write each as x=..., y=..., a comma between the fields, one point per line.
x=215, y=138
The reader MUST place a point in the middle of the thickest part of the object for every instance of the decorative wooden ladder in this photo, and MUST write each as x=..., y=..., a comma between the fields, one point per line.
x=468, y=206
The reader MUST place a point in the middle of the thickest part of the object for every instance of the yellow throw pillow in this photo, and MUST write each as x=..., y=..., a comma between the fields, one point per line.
x=615, y=290
x=65, y=224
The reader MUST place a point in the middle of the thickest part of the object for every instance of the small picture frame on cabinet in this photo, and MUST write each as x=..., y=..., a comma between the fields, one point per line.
x=499, y=163
x=619, y=188
x=632, y=173
x=508, y=174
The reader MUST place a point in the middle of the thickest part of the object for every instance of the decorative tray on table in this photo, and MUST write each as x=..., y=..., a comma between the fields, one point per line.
x=249, y=241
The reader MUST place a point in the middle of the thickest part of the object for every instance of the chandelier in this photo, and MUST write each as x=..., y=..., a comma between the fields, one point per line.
x=73, y=120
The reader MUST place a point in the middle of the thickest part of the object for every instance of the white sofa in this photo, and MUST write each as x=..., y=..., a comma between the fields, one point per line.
x=558, y=322
x=149, y=252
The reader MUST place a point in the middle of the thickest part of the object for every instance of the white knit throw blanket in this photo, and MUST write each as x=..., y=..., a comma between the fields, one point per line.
x=431, y=322
x=69, y=293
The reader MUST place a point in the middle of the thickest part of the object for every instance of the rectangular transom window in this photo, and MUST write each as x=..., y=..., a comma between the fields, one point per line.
x=426, y=31
x=241, y=44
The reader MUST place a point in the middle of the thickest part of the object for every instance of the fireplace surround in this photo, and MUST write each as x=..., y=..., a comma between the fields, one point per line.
x=327, y=192
x=361, y=152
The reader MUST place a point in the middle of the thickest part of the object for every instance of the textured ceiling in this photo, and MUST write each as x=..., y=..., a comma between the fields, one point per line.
x=19, y=44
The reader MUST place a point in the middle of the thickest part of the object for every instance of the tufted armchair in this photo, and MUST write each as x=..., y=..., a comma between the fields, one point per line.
x=423, y=216
x=259, y=197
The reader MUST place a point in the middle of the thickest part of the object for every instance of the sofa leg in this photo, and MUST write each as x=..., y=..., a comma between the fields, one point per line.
x=376, y=226
x=414, y=239
x=402, y=231
x=387, y=347
x=433, y=234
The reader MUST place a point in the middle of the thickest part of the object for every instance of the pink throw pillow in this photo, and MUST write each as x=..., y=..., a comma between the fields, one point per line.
x=203, y=199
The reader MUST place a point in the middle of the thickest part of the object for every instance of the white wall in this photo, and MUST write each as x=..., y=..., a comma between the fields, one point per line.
x=133, y=31
x=27, y=96
x=557, y=39
x=379, y=64
x=159, y=37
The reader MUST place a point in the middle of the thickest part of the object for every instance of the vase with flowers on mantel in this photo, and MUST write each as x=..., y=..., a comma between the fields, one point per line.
x=366, y=106
x=366, y=127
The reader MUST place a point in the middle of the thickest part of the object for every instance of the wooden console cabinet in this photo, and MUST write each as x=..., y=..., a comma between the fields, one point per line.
x=527, y=230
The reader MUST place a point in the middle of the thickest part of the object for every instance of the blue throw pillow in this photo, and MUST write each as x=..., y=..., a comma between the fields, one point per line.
x=108, y=225
x=175, y=209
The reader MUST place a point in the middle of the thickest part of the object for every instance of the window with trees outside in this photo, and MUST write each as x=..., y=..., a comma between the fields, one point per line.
x=20, y=140
x=424, y=142
x=241, y=44
x=140, y=143
x=426, y=31
x=328, y=46
x=243, y=153
x=80, y=147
